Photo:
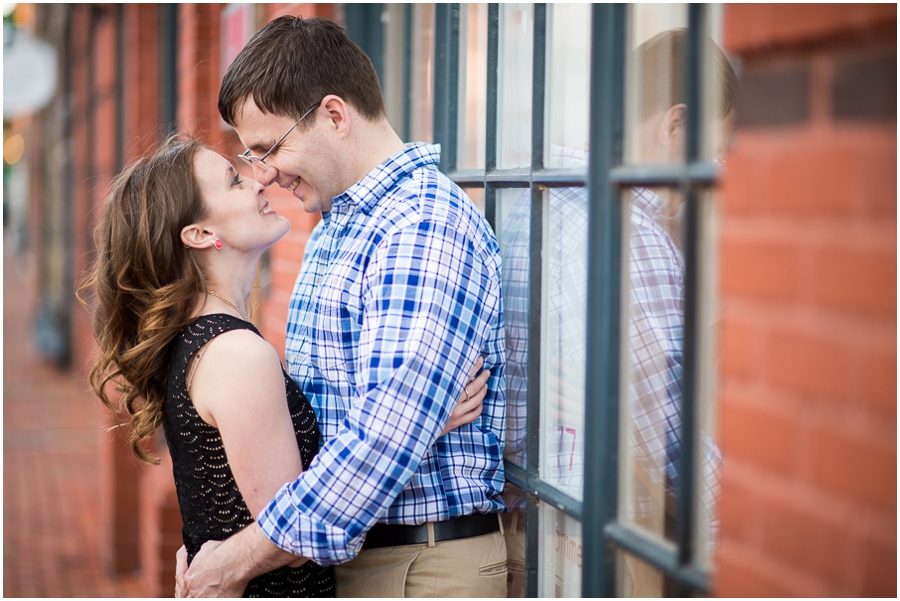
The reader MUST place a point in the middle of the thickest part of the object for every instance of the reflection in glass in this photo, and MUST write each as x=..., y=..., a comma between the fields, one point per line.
x=392, y=84
x=568, y=78
x=654, y=339
x=472, y=85
x=422, y=93
x=707, y=486
x=514, y=532
x=477, y=197
x=514, y=86
x=560, y=554
x=636, y=578
x=653, y=305
x=656, y=109
x=514, y=233
x=564, y=336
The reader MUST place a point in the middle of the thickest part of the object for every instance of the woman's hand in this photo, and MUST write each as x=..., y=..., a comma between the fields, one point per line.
x=469, y=406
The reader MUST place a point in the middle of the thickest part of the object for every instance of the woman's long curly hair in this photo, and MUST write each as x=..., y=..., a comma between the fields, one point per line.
x=144, y=284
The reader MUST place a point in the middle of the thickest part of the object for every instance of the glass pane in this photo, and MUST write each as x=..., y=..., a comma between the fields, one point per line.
x=564, y=339
x=655, y=114
x=477, y=196
x=515, y=77
x=719, y=90
x=392, y=77
x=709, y=458
x=514, y=233
x=653, y=314
x=472, y=85
x=637, y=578
x=568, y=81
x=514, y=527
x=560, y=554
x=422, y=93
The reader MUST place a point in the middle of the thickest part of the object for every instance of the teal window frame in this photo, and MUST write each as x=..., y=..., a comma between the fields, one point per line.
x=606, y=177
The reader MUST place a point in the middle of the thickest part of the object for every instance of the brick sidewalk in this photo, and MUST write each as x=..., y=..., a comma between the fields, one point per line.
x=51, y=441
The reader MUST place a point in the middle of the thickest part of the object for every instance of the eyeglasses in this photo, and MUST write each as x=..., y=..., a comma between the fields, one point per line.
x=261, y=161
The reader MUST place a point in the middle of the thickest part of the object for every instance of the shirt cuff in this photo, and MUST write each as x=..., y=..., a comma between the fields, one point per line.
x=297, y=533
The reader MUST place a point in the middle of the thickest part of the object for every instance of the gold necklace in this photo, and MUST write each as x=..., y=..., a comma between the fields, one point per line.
x=229, y=303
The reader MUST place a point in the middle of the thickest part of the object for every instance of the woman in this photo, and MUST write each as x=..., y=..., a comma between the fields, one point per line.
x=177, y=249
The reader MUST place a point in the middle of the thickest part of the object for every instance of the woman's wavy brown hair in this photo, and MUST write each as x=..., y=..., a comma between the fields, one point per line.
x=144, y=284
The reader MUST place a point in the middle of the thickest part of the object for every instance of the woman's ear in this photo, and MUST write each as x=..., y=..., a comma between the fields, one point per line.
x=195, y=236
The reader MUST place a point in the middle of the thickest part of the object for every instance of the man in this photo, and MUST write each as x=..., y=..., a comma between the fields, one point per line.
x=398, y=296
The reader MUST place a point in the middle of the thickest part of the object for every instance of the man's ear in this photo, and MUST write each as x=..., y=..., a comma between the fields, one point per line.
x=195, y=236
x=338, y=114
x=672, y=124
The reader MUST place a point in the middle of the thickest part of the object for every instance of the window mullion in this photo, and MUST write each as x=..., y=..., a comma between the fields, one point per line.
x=490, y=151
x=687, y=448
x=407, y=71
x=604, y=284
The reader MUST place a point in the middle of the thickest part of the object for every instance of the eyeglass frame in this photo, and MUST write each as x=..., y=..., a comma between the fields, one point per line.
x=255, y=160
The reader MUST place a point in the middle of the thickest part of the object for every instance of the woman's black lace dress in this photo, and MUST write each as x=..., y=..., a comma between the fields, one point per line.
x=212, y=508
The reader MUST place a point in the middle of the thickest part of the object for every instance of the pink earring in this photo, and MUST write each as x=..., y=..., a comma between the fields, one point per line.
x=219, y=244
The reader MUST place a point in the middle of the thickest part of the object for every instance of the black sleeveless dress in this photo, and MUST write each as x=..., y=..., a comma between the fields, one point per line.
x=212, y=508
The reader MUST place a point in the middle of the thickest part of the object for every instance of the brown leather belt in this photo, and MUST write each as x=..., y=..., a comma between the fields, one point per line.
x=394, y=535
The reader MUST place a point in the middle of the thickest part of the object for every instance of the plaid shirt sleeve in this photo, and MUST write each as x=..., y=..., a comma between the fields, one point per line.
x=431, y=300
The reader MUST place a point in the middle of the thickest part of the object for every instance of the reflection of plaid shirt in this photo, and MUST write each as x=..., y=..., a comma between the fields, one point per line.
x=655, y=336
x=398, y=295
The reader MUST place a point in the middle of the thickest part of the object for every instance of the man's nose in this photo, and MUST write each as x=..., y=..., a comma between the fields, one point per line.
x=265, y=174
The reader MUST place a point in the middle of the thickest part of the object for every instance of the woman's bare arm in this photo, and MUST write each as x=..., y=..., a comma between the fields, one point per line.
x=238, y=387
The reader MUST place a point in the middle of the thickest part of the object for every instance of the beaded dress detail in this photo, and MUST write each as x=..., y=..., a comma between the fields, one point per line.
x=212, y=507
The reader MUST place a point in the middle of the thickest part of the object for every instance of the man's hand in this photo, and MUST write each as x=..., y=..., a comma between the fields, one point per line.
x=224, y=568
x=207, y=577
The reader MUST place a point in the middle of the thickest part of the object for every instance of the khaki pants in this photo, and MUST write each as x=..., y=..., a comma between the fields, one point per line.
x=466, y=567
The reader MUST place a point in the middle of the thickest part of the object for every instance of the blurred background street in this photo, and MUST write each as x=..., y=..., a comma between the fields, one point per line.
x=51, y=473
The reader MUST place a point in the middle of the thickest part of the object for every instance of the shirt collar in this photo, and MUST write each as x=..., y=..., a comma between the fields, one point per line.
x=648, y=201
x=366, y=193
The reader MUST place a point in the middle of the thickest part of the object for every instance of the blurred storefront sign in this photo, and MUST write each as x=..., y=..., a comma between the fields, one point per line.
x=29, y=73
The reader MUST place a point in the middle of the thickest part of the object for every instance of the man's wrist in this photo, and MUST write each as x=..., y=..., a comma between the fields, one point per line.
x=250, y=553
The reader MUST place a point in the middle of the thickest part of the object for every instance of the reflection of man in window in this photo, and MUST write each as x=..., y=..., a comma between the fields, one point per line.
x=656, y=277
x=654, y=307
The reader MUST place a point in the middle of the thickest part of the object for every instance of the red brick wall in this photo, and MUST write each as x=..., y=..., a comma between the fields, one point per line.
x=808, y=287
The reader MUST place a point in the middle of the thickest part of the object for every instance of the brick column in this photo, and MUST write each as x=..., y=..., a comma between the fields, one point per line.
x=808, y=288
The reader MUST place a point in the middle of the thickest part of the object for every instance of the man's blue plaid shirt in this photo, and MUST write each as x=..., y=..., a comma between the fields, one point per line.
x=398, y=295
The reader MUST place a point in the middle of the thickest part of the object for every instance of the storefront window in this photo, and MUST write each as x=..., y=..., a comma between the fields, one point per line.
x=568, y=79
x=615, y=362
x=472, y=85
x=513, y=227
x=564, y=337
x=515, y=80
x=562, y=554
x=421, y=97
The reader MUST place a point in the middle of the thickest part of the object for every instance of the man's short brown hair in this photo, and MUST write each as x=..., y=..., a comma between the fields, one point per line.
x=292, y=63
x=661, y=64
